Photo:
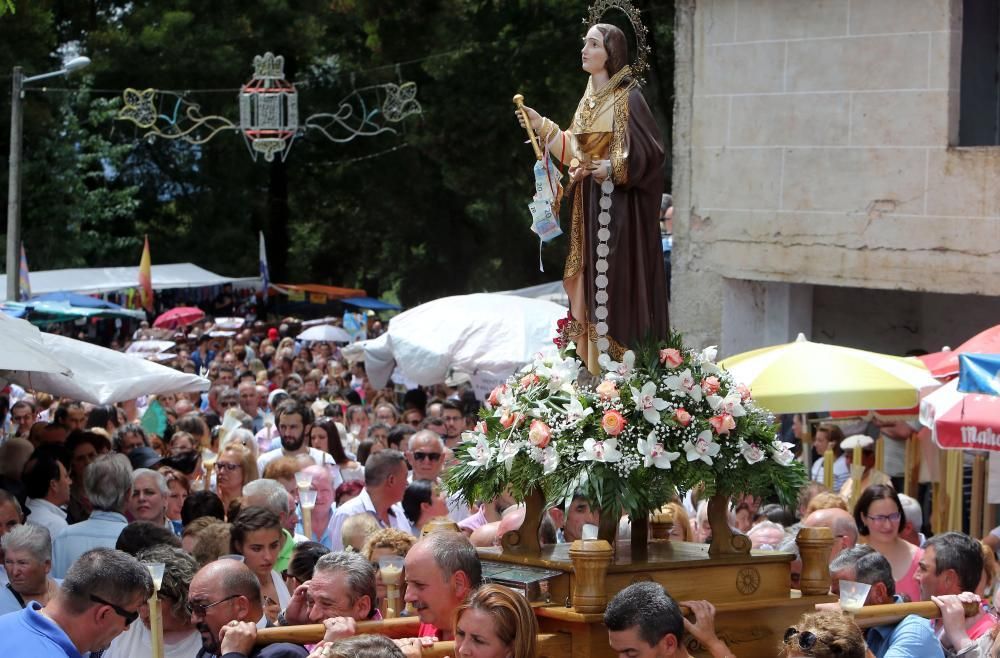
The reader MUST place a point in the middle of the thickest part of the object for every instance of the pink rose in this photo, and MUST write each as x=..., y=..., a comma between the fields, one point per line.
x=607, y=390
x=495, y=394
x=613, y=423
x=722, y=423
x=508, y=419
x=528, y=380
x=671, y=357
x=744, y=392
x=682, y=416
x=710, y=385
x=539, y=434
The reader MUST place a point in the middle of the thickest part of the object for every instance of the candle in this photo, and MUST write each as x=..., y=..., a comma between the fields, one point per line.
x=828, y=459
x=308, y=501
x=391, y=570
x=208, y=459
x=155, y=614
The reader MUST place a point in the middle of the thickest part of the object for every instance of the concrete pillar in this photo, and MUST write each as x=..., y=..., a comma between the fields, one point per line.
x=761, y=313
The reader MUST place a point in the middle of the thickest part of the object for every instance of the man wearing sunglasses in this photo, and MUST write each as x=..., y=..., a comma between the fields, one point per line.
x=225, y=605
x=426, y=455
x=98, y=599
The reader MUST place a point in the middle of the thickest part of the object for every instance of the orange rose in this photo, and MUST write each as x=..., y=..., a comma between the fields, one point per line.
x=613, y=423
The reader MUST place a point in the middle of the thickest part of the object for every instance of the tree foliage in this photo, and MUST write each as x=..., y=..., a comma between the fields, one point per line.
x=438, y=209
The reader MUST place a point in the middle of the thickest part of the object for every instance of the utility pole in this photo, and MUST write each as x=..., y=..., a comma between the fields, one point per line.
x=14, y=188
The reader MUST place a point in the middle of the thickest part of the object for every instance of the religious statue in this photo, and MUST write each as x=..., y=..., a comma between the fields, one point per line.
x=614, y=273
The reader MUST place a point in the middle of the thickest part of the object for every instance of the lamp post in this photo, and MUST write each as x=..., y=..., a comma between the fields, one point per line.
x=14, y=174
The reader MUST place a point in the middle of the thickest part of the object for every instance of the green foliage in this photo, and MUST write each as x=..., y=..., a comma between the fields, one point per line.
x=441, y=210
x=6, y=6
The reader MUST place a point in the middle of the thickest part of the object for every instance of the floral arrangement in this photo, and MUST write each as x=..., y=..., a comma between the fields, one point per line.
x=661, y=421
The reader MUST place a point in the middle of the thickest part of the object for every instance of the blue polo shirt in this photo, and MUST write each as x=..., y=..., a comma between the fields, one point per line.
x=912, y=637
x=30, y=634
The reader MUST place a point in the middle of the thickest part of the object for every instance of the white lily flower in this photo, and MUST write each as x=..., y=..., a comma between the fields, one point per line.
x=600, y=451
x=751, y=452
x=684, y=382
x=708, y=354
x=560, y=373
x=624, y=369
x=550, y=460
x=654, y=452
x=576, y=412
x=732, y=404
x=508, y=451
x=703, y=448
x=481, y=454
x=647, y=402
x=783, y=453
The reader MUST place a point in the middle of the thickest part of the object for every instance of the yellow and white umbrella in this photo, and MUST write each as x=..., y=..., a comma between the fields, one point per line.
x=803, y=376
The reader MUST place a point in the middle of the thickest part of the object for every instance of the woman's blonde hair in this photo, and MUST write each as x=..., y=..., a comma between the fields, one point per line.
x=513, y=620
x=835, y=636
x=247, y=460
x=397, y=541
x=356, y=531
x=682, y=521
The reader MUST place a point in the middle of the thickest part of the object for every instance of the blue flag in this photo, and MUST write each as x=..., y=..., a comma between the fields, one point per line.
x=977, y=373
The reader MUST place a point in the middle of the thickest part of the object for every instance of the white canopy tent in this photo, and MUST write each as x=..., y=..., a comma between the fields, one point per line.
x=96, y=280
x=79, y=370
x=487, y=336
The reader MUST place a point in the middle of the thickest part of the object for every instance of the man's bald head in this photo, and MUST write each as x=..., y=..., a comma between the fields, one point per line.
x=230, y=578
x=840, y=522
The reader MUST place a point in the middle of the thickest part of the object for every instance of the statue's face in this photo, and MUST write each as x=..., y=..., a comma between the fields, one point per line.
x=595, y=57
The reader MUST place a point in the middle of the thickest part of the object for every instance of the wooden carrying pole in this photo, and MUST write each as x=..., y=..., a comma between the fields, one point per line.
x=891, y=613
x=310, y=633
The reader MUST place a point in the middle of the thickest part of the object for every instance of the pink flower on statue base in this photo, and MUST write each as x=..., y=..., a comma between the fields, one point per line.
x=613, y=423
x=671, y=357
x=722, y=423
x=528, y=380
x=495, y=394
x=682, y=416
x=607, y=390
x=511, y=419
x=710, y=385
x=539, y=434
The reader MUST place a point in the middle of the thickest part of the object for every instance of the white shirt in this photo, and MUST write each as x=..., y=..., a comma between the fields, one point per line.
x=137, y=641
x=362, y=504
x=317, y=455
x=47, y=515
x=841, y=472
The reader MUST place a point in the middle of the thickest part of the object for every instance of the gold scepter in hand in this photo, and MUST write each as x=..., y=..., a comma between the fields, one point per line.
x=519, y=102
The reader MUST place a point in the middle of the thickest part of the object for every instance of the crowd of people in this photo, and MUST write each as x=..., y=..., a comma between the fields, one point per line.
x=219, y=494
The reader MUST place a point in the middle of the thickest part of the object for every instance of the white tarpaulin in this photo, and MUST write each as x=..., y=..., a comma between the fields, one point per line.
x=93, y=280
x=21, y=348
x=485, y=335
x=97, y=374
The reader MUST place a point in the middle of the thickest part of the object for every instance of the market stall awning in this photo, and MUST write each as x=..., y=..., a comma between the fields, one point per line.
x=372, y=304
x=110, y=279
x=315, y=293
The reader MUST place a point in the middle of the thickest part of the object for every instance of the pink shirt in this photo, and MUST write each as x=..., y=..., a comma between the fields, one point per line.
x=908, y=585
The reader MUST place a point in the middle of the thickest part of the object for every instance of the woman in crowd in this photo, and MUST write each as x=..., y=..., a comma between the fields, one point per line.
x=81, y=449
x=256, y=535
x=148, y=501
x=180, y=638
x=300, y=567
x=880, y=517
x=681, y=529
x=386, y=542
x=423, y=501
x=103, y=417
x=829, y=436
x=181, y=443
x=27, y=551
x=366, y=449
x=179, y=488
x=324, y=436
x=235, y=467
x=496, y=622
x=823, y=635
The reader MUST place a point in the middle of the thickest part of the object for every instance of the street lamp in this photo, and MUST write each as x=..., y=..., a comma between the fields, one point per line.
x=14, y=174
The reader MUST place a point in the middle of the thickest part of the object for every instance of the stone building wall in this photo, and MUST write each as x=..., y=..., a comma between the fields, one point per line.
x=813, y=149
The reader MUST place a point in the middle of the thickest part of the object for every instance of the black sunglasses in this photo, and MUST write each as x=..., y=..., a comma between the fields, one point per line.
x=128, y=616
x=202, y=608
x=421, y=456
x=807, y=639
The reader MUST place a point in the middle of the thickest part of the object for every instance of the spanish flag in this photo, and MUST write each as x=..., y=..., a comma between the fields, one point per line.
x=146, y=278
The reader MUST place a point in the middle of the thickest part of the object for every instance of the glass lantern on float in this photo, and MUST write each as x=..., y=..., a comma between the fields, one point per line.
x=269, y=109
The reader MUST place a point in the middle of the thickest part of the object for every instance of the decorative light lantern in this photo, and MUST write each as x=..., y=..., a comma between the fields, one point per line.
x=269, y=109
